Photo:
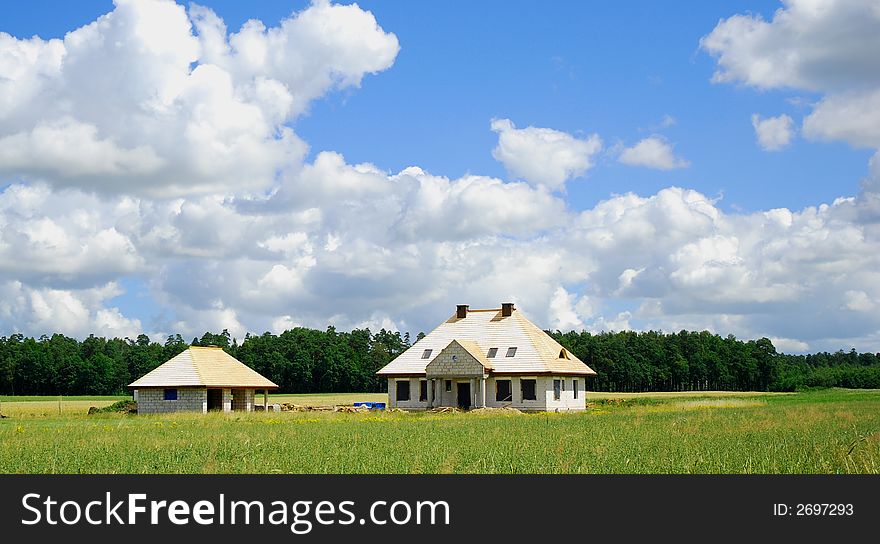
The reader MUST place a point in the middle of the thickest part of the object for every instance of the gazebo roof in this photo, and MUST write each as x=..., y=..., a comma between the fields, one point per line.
x=203, y=367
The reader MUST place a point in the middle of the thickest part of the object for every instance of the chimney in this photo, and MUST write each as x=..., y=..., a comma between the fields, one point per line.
x=461, y=311
x=507, y=309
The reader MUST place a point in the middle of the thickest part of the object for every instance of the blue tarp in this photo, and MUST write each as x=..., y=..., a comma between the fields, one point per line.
x=372, y=405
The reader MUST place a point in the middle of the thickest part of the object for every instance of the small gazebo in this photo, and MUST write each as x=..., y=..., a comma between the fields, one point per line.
x=200, y=379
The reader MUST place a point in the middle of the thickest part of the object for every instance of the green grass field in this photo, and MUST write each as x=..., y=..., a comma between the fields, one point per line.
x=49, y=406
x=831, y=431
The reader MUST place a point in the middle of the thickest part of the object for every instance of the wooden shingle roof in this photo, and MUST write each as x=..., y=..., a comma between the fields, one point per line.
x=203, y=367
x=481, y=330
x=476, y=352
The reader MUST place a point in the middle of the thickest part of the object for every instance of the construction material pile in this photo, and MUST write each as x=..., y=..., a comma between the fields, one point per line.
x=290, y=407
x=503, y=410
x=445, y=410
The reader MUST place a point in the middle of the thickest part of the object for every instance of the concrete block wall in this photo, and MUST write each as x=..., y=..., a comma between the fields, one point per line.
x=243, y=400
x=152, y=400
x=446, y=398
x=491, y=388
x=544, y=400
x=463, y=365
x=441, y=397
x=413, y=402
x=540, y=402
x=566, y=401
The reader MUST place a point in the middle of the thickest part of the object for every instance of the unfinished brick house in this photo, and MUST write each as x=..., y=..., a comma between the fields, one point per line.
x=200, y=379
x=487, y=358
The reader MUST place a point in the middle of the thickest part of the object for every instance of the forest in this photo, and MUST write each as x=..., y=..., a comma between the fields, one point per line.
x=302, y=360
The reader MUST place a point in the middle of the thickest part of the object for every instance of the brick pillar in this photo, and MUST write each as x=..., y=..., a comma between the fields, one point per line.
x=430, y=393
x=227, y=400
x=474, y=384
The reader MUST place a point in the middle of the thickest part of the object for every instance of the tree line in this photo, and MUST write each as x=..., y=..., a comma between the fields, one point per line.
x=302, y=360
x=701, y=361
x=299, y=360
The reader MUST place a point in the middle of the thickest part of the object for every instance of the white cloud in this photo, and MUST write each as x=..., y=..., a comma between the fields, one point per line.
x=852, y=117
x=620, y=322
x=773, y=133
x=807, y=276
x=543, y=156
x=75, y=312
x=67, y=148
x=63, y=239
x=283, y=323
x=439, y=208
x=652, y=152
x=225, y=97
x=323, y=47
x=329, y=242
x=213, y=319
x=625, y=279
x=820, y=45
x=826, y=46
x=562, y=312
x=667, y=121
x=858, y=301
x=788, y=345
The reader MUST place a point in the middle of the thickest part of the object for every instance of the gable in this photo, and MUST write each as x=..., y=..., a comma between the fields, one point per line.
x=455, y=360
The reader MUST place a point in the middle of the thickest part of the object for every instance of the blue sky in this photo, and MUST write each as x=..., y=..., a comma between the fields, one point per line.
x=625, y=72
x=612, y=68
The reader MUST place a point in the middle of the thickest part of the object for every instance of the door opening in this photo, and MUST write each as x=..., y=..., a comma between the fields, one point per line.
x=215, y=399
x=464, y=395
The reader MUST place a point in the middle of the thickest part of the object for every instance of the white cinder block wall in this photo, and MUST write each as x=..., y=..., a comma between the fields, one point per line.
x=152, y=400
x=243, y=400
x=543, y=392
x=566, y=400
x=413, y=402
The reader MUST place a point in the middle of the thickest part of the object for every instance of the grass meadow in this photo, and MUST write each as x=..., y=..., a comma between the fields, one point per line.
x=828, y=431
x=52, y=406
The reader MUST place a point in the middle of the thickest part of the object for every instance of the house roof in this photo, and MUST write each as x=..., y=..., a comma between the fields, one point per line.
x=476, y=352
x=203, y=367
x=481, y=330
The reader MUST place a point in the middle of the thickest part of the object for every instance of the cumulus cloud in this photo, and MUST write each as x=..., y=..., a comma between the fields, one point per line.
x=66, y=148
x=789, y=345
x=852, y=117
x=858, y=301
x=806, y=276
x=652, y=152
x=543, y=156
x=75, y=312
x=329, y=242
x=826, y=46
x=773, y=133
x=74, y=114
x=63, y=240
x=820, y=45
x=562, y=312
